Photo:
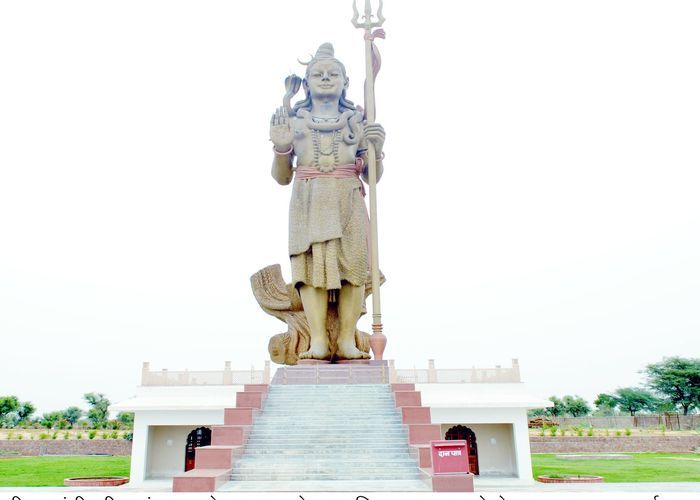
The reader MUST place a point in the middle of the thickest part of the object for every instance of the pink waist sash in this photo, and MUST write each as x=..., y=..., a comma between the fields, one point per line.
x=347, y=171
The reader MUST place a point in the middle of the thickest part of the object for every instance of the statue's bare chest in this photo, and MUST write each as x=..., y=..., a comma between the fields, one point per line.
x=320, y=147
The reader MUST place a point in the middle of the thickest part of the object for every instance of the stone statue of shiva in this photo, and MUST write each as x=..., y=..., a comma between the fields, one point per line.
x=320, y=145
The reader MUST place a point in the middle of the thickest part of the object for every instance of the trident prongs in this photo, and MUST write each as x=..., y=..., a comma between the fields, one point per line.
x=367, y=23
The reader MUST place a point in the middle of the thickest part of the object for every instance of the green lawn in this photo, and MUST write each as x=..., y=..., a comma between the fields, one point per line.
x=51, y=471
x=642, y=467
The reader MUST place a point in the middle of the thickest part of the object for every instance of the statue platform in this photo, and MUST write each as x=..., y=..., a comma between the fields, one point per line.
x=358, y=372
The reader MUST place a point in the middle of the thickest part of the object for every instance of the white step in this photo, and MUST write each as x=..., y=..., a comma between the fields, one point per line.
x=310, y=434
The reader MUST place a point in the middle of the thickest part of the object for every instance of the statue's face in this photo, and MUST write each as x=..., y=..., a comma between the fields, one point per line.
x=326, y=80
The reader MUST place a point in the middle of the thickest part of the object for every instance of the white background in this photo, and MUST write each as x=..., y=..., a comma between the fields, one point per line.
x=539, y=199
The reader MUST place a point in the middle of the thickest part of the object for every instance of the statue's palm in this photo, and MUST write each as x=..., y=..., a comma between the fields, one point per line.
x=281, y=133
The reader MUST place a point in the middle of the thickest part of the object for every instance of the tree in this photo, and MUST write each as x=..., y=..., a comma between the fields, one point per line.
x=50, y=419
x=576, y=406
x=666, y=406
x=558, y=409
x=72, y=414
x=8, y=409
x=8, y=404
x=25, y=410
x=605, y=405
x=99, y=409
x=678, y=379
x=631, y=399
x=537, y=412
x=126, y=418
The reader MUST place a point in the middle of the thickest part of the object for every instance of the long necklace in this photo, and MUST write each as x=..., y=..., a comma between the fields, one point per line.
x=326, y=149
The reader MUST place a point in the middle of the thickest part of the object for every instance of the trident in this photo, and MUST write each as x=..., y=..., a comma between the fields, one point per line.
x=372, y=64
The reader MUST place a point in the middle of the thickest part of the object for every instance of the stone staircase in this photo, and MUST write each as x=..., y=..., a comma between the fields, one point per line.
x=328, y=433
x=323, y=428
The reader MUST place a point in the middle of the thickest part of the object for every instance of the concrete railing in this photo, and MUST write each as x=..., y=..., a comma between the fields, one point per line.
x=432, y=375
x=227, y=376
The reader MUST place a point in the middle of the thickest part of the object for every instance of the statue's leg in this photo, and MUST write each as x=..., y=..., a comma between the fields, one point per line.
x=349, y=310
x=315, y=301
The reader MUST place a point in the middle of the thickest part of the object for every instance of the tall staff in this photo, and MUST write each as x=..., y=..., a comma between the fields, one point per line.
x=378, y=340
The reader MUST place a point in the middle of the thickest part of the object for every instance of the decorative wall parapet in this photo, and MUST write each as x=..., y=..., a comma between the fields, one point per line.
x=433, y=375
x=429, y=375
x=227, y=376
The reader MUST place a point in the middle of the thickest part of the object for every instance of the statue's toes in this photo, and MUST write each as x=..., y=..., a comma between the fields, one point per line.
x=354, y=353
x=311, y=354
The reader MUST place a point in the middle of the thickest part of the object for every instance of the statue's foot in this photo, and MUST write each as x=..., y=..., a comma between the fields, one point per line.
x=317, y=351
x=348, y=350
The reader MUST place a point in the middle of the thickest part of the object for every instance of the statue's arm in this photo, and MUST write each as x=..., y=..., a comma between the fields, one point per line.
x=375, y=134
x=365, y=171
x=282, y=167
x=283, y=147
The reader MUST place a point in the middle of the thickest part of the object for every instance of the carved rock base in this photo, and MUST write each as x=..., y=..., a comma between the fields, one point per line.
x=281, y=300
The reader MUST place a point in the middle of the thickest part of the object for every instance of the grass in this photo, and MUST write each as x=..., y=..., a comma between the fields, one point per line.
x=51, y=471
x=642, y=467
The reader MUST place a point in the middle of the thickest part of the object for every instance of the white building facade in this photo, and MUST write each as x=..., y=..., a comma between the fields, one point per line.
x=491, y=404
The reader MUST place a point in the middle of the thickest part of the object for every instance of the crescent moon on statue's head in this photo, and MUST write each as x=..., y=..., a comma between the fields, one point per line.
x=307, y=62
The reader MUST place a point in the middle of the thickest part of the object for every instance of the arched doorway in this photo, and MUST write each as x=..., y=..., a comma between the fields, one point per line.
x=462, y=432
x=198, y=437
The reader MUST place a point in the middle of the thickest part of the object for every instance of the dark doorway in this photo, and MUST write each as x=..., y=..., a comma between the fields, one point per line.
x=462, y=432
x=198, y=437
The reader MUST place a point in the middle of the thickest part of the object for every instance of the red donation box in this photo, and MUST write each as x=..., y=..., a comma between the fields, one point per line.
x=450, y=457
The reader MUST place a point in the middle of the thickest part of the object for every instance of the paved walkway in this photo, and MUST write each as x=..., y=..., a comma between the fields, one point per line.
x=536, y=487
x=481, y=485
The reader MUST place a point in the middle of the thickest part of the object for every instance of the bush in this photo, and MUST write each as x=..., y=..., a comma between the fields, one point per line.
x=628, y=432
x=10, y=435
x=20, y=437
x=618, y=433
x=92, y=434
x=54, y=435
x=43, y=435
x=79, y=435
x=552, y=431
x=562, y=431
x=66, y=435
x=105, y=435
x=114, y=435
x=128, y=436
x=590, y=431
x=577, y=429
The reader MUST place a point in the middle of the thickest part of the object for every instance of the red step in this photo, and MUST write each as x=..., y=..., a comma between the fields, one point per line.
x=239, y=416
x=216, y=457
x=423, y=433
x=224, y=435
x=407, y=398
x=250, y=399
x=415, y=414
x=200, y=480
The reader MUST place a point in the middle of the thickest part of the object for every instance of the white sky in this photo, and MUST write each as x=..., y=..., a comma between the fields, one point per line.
x=539, y=199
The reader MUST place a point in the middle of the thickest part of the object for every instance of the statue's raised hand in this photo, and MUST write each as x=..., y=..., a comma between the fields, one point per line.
x=281, y=133
x=375, y=134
